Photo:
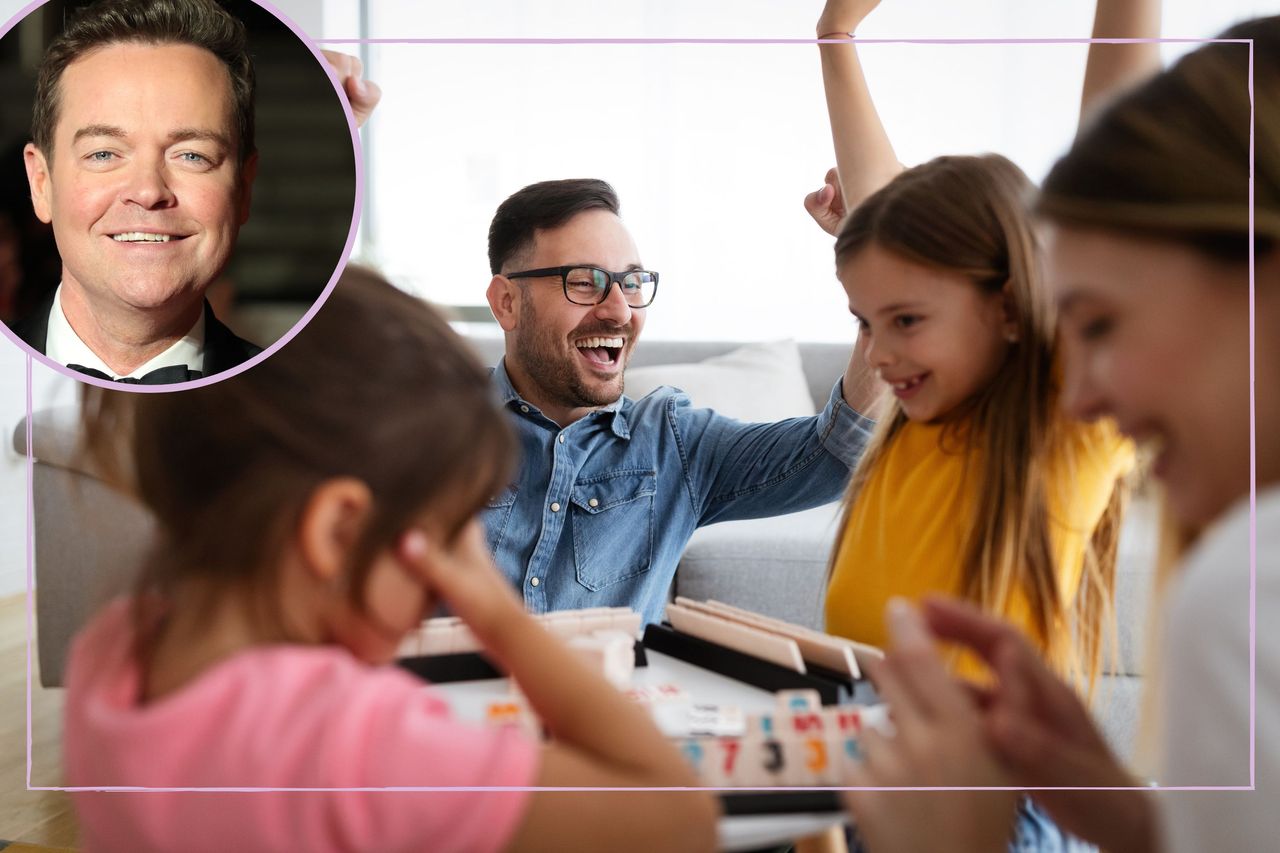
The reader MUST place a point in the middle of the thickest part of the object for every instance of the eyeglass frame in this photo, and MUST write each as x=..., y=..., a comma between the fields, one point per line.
x=614, y=277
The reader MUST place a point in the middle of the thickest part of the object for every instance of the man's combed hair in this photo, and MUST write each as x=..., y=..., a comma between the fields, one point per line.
x=540, y=206
x=201, y=23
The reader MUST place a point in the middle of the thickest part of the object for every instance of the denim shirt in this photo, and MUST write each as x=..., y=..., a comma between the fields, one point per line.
x=601, y=510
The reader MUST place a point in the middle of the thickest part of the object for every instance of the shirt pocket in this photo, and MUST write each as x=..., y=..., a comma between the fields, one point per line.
x=496, y=516
x=613, y=527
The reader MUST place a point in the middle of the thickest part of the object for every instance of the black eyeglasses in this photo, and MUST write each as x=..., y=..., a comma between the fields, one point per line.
x=591, y=285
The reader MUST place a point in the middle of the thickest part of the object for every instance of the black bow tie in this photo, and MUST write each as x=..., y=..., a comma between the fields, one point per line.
x=160, y=376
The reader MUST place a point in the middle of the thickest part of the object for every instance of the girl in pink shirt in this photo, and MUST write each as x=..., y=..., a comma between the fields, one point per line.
x=311, y=512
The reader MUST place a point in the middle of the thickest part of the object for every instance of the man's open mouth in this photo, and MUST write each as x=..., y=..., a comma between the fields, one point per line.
x=602, y=351
x=144, y=237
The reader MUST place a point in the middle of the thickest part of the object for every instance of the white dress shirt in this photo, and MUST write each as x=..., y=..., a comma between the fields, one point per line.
x=64, y=346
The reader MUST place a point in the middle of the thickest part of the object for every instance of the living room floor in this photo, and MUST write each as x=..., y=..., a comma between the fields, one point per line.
x=31, y=817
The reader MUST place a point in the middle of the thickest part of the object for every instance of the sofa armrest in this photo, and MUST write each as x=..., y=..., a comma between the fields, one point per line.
x=89, y=539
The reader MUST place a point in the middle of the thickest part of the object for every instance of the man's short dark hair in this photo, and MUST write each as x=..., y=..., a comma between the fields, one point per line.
x=548, y=204
x=201, y=23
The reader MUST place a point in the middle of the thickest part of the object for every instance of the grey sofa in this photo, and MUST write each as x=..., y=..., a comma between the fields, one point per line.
x=88, y=539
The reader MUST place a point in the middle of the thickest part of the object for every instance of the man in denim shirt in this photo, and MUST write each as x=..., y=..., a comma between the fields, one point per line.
x=610, y=489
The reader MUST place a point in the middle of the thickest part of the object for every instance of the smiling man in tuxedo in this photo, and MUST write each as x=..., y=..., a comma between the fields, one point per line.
x=143, y=160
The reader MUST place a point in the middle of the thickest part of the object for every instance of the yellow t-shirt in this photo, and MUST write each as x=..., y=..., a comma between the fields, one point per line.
x=905, y=534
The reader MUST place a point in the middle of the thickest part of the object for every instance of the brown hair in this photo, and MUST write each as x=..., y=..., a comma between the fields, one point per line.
x=202, y=23
x=548, y=204
x=376, y=387
x=1171, y=159
x=969, y=215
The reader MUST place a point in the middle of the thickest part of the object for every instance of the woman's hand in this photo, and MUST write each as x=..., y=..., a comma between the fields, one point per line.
x=1044, y=734
x=939, y=742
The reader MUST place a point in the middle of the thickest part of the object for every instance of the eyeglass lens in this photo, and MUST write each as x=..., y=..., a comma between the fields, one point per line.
x=587, y=286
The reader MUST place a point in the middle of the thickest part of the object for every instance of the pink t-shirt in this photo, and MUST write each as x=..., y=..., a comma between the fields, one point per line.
x=281, y=717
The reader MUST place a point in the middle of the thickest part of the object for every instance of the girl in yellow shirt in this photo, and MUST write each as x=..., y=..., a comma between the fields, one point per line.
x=975, y=484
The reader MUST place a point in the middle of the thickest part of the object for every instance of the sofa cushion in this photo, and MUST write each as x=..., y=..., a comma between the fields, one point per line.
x=757, y=382
x=770, y=565
x=823, y=363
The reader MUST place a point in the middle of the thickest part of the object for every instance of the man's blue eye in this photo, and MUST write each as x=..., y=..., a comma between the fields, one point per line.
x=192, y=157
x=101, y=156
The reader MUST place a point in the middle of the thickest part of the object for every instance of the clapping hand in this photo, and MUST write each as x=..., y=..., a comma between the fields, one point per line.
x=1043, y=733
x=938, y=743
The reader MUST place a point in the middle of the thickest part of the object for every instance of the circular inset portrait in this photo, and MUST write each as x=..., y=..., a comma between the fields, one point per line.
x=179, y=186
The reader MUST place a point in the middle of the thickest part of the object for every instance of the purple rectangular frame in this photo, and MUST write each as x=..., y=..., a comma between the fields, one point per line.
x=1252, y=784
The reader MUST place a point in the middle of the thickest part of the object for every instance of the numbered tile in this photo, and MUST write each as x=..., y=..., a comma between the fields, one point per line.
x=463, y=641
x=409, y=646
x=805, y=723
x=796, y=701
x=513, y=712
x=807, y=761
x=694, y=752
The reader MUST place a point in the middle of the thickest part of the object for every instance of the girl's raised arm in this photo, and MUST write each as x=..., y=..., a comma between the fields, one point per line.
x=864, y=155
x=1111, y=67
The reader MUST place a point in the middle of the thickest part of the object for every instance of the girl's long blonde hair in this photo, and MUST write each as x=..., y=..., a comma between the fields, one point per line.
x=969, y=215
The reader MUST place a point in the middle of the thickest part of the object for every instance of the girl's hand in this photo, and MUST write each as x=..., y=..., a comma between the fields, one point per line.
x=1043, y=733
x=843, y=16
x=826, y=205
x=363, y=94
x=939, y=742
x=463, y=575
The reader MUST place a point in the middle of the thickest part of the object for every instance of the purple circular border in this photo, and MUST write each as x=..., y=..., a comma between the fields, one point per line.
x=358, y=207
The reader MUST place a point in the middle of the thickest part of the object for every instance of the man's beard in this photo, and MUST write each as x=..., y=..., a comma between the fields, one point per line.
x=541, y=355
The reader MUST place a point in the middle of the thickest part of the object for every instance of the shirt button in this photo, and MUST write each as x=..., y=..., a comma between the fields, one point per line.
x=593, y=503
x=524, y=409
x=555, y=507
x=533, y=581
x=562, y=438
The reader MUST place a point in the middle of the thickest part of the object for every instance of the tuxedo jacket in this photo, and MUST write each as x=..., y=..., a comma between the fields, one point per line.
x=222, y=349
